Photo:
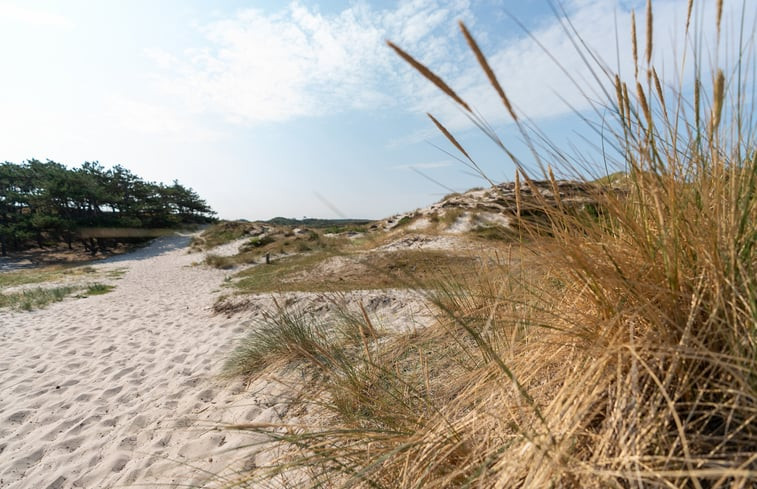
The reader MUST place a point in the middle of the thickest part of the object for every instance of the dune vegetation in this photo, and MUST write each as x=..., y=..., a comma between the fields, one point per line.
x=619, y=351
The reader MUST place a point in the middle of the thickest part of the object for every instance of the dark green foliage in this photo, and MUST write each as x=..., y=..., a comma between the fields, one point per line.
x=347, y=224
x=257, y=242
x=43, y=203
x=98, y=289
x=404, y=221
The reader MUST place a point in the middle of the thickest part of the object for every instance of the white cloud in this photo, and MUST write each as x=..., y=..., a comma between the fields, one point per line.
x=298, y=62
x=260, y=67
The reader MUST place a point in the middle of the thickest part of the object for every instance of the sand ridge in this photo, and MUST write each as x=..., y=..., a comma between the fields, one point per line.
x=122, y=389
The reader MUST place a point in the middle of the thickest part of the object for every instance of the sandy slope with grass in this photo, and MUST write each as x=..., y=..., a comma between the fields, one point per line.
x=123, y=388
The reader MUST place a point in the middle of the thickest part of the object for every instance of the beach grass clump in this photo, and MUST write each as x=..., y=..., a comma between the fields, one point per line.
x=620, y=352
x=218, y=261
x=291, y=336
x=98, y=289
x=287, y=336
x=222, y=233
x=35, y=298
x=328, y=271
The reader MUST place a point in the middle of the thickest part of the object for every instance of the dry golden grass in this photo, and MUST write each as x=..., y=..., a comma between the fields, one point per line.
x=620, y=351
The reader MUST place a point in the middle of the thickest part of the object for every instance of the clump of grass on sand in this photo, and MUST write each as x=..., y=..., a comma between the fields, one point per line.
x=623, y=354
x=40, y=297
x=98, y=289
x=222, y=233
x=35, y=298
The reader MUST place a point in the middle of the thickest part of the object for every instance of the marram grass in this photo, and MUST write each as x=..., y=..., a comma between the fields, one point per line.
x=622, y=353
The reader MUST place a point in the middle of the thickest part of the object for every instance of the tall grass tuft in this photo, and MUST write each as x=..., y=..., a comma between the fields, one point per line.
x=622, y=352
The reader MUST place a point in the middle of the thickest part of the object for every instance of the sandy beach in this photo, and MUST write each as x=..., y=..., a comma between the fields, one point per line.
x=122, y=388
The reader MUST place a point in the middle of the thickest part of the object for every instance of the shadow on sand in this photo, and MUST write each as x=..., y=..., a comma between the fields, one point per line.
x=156, y=247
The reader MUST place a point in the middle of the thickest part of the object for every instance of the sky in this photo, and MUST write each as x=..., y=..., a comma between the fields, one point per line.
x=275, y=108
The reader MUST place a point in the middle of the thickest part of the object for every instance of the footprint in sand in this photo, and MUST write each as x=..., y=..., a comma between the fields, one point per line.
x=18, y=417
x=29, y=460
x=83, y=397
x=122, y=372
x=179, y=358
x=128, y=443
x=111, y=392
x=71, y=444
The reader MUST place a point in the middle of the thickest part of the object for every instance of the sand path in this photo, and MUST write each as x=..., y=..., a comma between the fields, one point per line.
x=114, y=390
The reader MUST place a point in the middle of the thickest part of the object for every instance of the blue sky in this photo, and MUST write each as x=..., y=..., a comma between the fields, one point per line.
x=271, y=108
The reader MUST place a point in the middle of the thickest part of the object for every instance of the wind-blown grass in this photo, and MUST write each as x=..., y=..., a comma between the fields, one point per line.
x=623, y=354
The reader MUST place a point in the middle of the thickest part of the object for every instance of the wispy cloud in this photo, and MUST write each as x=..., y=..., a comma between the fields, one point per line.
x=260, y=67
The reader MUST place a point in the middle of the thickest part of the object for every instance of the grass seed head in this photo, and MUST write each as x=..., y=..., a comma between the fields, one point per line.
x=487, y=69
x=430, y=75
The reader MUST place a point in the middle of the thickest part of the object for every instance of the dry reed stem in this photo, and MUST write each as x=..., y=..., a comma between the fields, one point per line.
x=487, y=69
x=430, y=75
x=449, y=136
x=555, y=189
x=658, y=87
x=697, y=102
x=627, y=103
x=619, y=96
x=649, y=33
x=634, y=48
x=371, y=333
x=517, y=193
x=689, y=9
x=719, y=15
x=644, y=106
x=717, y=101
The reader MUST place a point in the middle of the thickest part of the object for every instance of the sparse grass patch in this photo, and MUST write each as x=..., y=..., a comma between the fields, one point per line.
x=404, y=221
x=224, y=232
x=218, y=261
x=351, y=228
x=116, y=273
x=257, y=242
x=451, y=215
x=493, y=232
x=279, y=245
x=49, y=273
x=373, y=270
x=40, y=297
x=98, y=289
x=35, y=298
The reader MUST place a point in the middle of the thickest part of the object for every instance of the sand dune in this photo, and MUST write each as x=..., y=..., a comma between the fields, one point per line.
x=122, y=388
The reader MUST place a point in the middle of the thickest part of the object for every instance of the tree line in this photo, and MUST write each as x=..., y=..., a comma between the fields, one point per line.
x=42, y=203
